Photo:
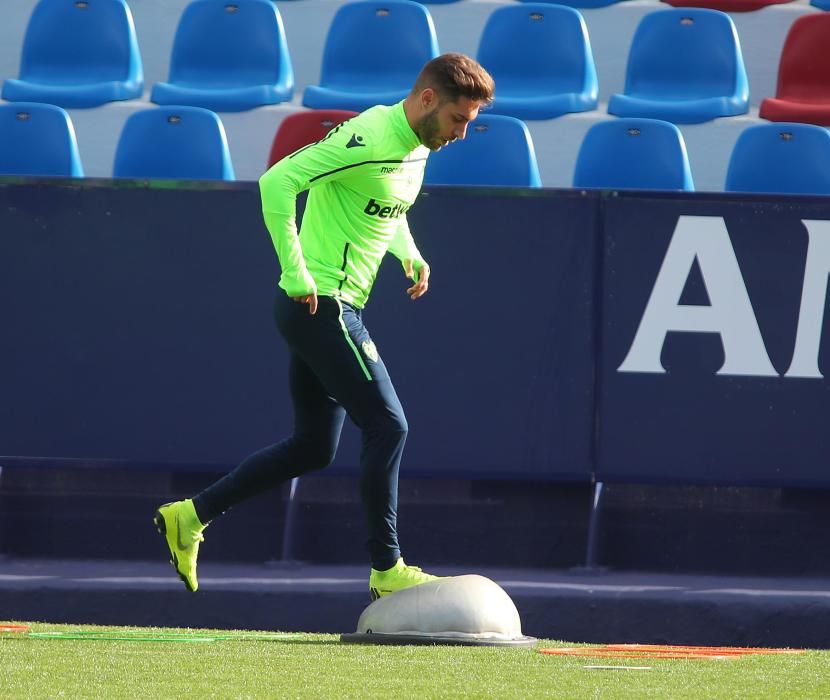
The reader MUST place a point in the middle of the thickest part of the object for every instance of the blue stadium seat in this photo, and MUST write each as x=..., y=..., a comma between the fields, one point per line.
x=78, y=53
x=498, y=151
x=373, y=53
x=228, y=56
x=821, y=4
x=582, y=4
x=727, y=5
x=684, y=66
x=173, y=143
x=633, y=153
x=783, y=158
x=540, y=58
x=37, y=139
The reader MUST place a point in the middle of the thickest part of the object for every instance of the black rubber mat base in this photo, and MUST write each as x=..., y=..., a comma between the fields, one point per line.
x=424, y=640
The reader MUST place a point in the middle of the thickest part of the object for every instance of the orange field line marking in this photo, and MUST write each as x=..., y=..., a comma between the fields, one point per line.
x=661, y=651
x=705, y=650
x=620, y=654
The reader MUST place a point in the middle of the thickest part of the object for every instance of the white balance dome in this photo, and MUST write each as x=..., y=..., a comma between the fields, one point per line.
x=467, y=609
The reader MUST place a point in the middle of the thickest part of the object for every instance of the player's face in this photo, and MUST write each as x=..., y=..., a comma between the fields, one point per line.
x=447, y=122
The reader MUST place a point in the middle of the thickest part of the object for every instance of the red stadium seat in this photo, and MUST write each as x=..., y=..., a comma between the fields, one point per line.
x=803, y=93
x=727, y=5
x=303, y=128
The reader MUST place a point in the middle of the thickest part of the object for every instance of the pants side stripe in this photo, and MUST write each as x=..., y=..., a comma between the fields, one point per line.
x=351, y=343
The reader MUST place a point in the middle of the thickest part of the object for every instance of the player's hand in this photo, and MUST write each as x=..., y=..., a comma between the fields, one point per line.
x=310, y=299
x=421, y=279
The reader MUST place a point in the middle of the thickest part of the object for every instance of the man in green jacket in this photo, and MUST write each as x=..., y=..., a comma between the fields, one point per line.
x=362, y=178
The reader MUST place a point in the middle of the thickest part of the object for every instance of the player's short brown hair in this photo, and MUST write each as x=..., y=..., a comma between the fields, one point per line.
x=454, y=75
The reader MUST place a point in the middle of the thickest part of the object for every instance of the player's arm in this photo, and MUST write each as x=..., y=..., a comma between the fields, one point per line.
x=416, y=268
x=312, y=165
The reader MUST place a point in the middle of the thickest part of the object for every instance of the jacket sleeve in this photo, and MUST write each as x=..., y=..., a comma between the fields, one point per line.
x=323, y=161
x=403, y=246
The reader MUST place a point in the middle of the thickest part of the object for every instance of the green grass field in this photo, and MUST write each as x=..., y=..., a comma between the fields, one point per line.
x=195, y=664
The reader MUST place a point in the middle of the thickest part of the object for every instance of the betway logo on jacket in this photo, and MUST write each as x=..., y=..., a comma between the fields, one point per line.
x=375, y=209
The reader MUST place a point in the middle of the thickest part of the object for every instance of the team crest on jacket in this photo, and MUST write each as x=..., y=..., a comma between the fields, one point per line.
x=370, y=350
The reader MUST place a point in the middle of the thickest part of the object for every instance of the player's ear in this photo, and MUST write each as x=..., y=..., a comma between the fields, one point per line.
x=429, y=98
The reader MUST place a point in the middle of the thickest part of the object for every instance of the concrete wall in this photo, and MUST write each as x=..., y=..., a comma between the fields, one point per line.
x=459, y=27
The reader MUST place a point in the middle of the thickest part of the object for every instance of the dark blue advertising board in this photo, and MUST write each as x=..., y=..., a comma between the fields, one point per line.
x=712, y=361
x=494, y=366
x=136, y=326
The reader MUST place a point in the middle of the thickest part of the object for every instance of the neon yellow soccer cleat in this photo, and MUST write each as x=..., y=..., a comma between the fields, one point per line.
x=397, y=578
x=180, y=525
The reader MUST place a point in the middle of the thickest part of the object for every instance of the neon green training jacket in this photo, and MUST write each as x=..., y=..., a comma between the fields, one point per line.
x=362, y=177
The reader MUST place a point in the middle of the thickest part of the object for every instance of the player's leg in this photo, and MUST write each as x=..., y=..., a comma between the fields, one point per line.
x=378, y=412
x=352, y=371
x=318, y=421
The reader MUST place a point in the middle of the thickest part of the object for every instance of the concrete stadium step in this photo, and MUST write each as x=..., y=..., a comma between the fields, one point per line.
x=575, y=606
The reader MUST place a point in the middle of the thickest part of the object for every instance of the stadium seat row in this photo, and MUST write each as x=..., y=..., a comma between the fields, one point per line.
x=722, y=5
x=684, y=65
x=183, y=142
x=38, y=139
x=640, y=153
